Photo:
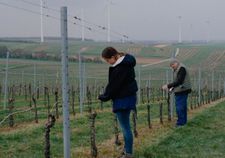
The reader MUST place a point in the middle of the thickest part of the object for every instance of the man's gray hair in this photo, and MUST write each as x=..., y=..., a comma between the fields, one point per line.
x=173, y=61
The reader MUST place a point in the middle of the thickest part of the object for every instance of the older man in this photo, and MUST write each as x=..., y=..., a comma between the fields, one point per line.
x=181, y=86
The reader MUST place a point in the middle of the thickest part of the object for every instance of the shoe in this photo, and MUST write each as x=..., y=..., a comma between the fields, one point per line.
x=122, y=154
x=127, y=156
x=177, y=126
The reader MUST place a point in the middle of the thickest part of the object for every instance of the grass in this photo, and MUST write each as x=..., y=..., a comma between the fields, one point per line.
x=26, y=138
x=202, y=137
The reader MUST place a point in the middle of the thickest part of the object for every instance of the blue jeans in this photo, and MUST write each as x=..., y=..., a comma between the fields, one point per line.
x=124, y=120
x=181, y=109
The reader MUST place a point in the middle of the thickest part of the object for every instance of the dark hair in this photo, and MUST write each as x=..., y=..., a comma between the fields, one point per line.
x=108, y=52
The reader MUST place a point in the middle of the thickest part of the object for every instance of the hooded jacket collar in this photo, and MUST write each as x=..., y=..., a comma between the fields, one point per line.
x=118, y=61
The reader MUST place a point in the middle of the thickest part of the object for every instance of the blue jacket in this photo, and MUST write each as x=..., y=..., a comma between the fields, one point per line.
x=122, y=86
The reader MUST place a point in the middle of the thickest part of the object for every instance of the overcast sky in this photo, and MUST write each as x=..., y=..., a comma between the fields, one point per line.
x=138, y=19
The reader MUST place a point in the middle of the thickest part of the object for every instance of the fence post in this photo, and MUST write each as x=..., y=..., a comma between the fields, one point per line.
x=65, y=84
x=171, y=100
x=81, y=82
x=35, y=80
x=6, y=81
x=94, y=150
x=224, y=87
x=161, y=112
x=212, y=85
x=139, y=84
x=199, y=86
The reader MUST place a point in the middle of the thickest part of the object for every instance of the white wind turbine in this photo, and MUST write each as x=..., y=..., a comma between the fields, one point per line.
x=108, y=20
x=109, y=3
x=179, y=30
x=207, y=30
x=41, y=14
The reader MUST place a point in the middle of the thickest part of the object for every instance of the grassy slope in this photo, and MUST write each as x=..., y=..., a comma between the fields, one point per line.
x=26, y=139
x=203, y=137
x=18, y=142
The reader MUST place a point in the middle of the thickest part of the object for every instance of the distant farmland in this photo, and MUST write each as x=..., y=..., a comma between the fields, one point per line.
x=45, y=58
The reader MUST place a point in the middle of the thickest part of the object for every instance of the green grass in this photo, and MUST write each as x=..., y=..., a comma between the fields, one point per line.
x=202, y=137
x=29, y=142
x=26, y=139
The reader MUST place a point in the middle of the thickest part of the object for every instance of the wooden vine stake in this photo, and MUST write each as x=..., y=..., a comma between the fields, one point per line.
x=48, y=126
x=35, y=109
x=134, y=118
x=148, y=108
x=94, y=150
x=11, y=118
x=161, y=112
x=56, y=103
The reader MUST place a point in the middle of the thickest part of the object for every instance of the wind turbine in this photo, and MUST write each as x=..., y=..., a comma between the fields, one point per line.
x=179, y=29
x=41, y=13
x=109, y=3
x=108, y=20
x=207, y=30
x=82, y=22
x=191, y=33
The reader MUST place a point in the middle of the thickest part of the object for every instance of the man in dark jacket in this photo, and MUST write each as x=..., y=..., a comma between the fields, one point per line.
x=181, y=86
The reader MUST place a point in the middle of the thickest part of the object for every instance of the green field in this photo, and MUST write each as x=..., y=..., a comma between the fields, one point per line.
x=26, y=138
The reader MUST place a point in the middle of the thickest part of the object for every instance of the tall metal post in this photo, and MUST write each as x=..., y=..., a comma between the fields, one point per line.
x=81, y=81
x=41, y=11
x=35, y=78
x=213, y=85
x=108, y=22
x=167, y=81
x=22, y=78
x=84, y=82
x=65, y=84
x=219, y=86
x=199, y=86
x=149, y=80
x=171, y=101
x=173, y=55
x=139, y=84
x=224, y=87
x=6, y=81
x=81, y=78
x=82, y=21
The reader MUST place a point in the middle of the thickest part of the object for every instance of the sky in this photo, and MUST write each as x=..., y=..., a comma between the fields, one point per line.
x=137, y=19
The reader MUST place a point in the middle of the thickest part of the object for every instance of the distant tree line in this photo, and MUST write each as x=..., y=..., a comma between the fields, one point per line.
x=42, y=55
